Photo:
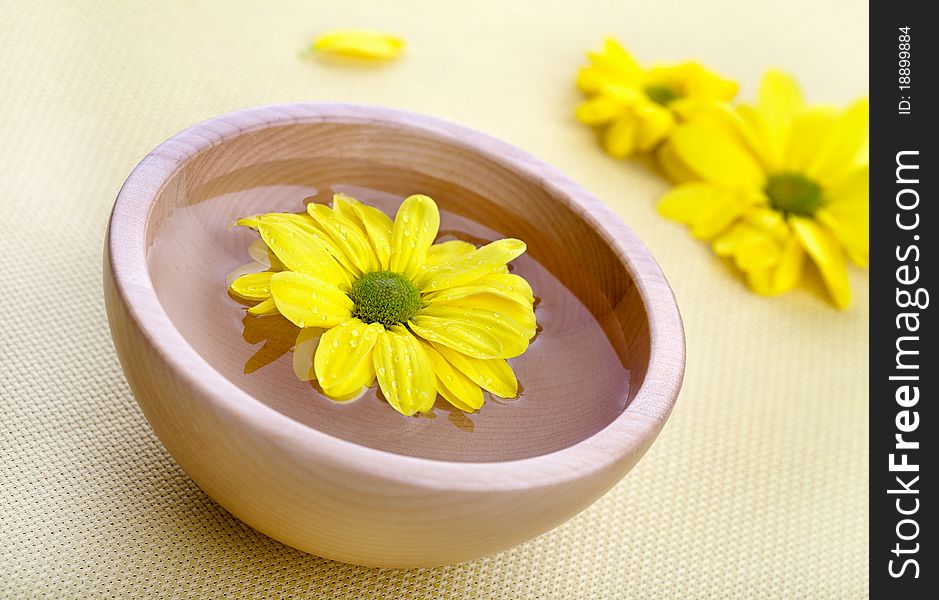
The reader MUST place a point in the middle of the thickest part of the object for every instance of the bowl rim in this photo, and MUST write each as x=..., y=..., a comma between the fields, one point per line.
x=626, y=437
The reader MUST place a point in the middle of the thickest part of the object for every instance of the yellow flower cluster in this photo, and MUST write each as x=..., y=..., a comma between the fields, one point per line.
x=770, y=185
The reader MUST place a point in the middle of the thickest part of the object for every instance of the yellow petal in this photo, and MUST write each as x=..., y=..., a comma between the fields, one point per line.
x=847, y=214
x=757, y=252
x=253, y=286
x=510, y=287
x=846, y=137
x=613, y=64
x=827, y=256
x=264, y=256
x=809, y=131
x=303, y=352
x=309, y=302
x=619, y=139
x=753, y=248
x=707, y=208
x=354, y=386
x=494, y=375
x=344, y=204
x=783, y=275
x=444, y=251
x=512, y=336
x=654, y=124
x=456, y=388
x=789, y=268
x=468, y=338
x=780, y=101
x=672, y=167
x=415, y=228
x=266, y=308
x=359, y=43
x=299, y=251
x=515, y=309
x=599, y=110
x=347, y=235
x=466, y=268
x=340, y=351
x=405, y=372
x=378, y=226
x=717, y=156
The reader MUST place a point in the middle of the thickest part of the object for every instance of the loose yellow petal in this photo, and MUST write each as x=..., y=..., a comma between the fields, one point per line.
x=466, y=268
x=359, y=43
x=415, y=228
x=301, y=252
x=266, y=308
x=341, y=349
x=512, y=337
x=303, y=352
x=347, y=235
x=456, y=388
x=827, y=256
x=494, y=375
x=717, y=156
x=405, y=372
x=253, y=286
x=309, y=302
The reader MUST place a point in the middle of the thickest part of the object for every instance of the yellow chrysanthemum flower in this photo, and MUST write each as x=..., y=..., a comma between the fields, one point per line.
x=377, y=299
x=636, y=107
x=778, y=181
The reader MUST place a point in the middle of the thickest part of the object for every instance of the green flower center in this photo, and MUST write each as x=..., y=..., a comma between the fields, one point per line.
x=662, y=94
x=792, y=193
x=384, y=297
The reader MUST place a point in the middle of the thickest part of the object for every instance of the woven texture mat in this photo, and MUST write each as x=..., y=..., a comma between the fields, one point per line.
x=758, y=485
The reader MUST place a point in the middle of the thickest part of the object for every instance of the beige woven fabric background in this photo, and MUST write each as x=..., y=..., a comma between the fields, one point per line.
x=757, y=487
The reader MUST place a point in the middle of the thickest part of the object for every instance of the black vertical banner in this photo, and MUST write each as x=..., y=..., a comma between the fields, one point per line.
x=903, y=366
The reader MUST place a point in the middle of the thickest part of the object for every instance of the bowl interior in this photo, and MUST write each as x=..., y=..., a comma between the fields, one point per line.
x=584, y=366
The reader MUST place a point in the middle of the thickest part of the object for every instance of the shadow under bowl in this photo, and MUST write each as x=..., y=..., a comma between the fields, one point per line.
x=358, y=482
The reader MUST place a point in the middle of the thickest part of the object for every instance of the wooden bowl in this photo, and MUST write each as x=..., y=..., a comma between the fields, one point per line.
x=360, y=483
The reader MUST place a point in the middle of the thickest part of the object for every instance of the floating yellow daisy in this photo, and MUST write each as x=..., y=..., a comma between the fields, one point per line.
x=636, y=107
x=779, y=181
x=359, y=43
x=377, y=299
